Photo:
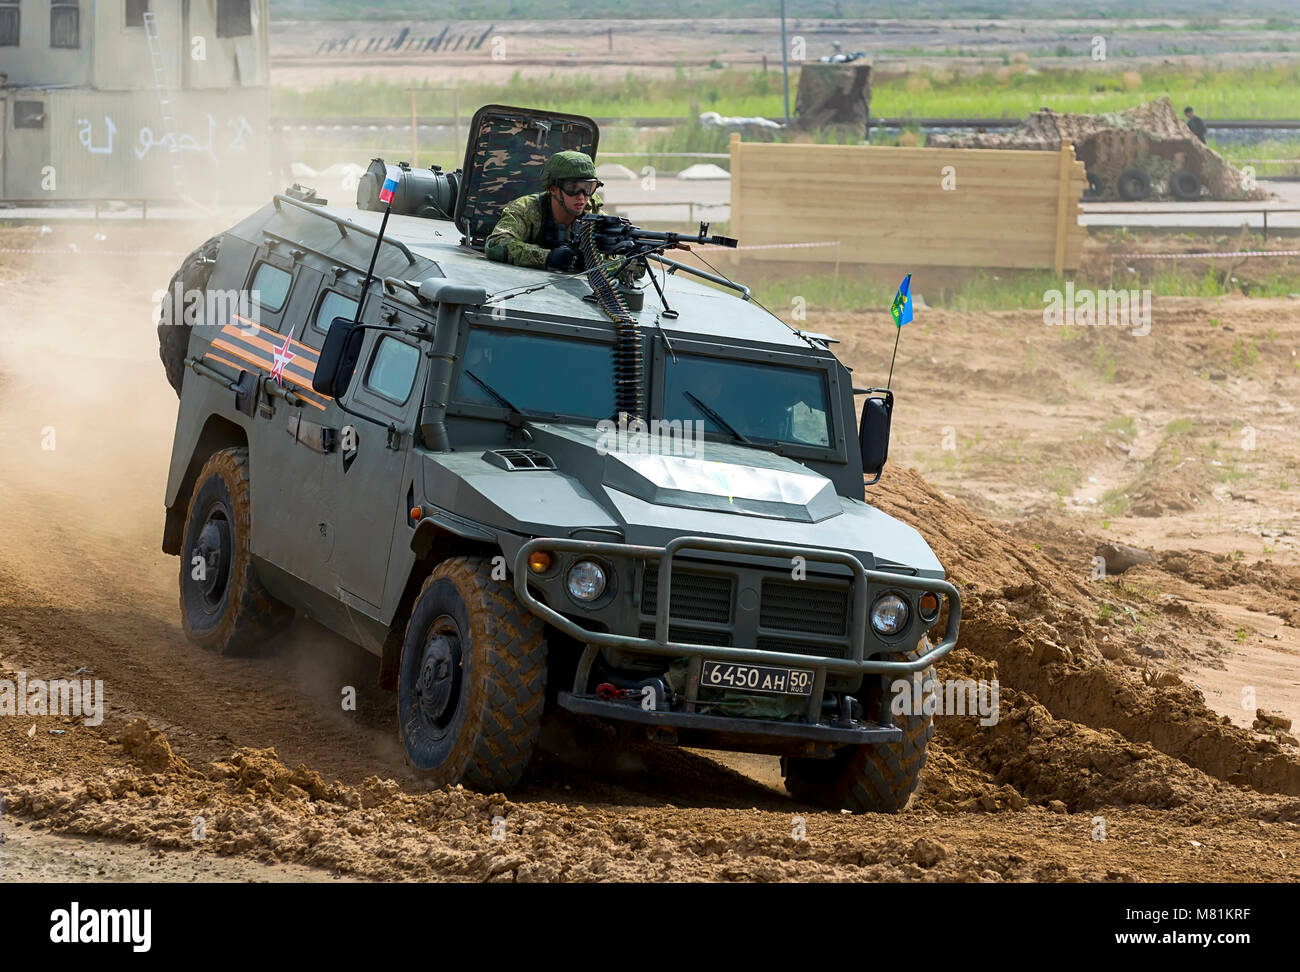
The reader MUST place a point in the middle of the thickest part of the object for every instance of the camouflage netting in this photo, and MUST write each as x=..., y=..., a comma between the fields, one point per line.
x=1150, y=138
x=833, y=96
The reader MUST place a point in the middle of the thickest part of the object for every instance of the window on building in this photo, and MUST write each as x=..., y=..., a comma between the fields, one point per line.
x=65, y=24
x=234, y=18
x=135, y=11
x=29, y=114
x=8, y=23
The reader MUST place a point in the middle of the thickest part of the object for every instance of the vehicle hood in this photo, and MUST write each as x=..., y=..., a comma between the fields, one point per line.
x=597, y=491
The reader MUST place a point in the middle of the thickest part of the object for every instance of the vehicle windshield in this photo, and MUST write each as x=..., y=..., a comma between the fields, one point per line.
x=749, y=400
x=526, y=370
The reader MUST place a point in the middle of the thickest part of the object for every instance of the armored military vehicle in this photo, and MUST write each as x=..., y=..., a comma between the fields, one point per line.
x=526, y=495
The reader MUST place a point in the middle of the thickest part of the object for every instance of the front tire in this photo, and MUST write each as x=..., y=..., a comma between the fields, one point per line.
x=868, y=779
x=472, y=681
x=224, y=606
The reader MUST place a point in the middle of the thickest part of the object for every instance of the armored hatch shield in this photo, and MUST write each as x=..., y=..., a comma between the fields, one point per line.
x=504, y=156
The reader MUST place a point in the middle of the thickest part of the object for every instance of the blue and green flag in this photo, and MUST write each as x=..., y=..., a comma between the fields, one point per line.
x=901, y=309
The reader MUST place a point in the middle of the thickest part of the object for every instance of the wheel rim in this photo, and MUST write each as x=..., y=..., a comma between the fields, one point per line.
x=215, y=547
x=441, y=675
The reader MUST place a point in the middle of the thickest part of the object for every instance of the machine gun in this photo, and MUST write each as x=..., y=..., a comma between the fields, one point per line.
x=615, y=236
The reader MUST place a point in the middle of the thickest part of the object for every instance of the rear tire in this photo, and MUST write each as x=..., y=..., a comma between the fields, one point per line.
x=472, y=680
x=224, y=606
x=173, y=329
x=1185, y=184
x=1133, y=185
x=867, y=779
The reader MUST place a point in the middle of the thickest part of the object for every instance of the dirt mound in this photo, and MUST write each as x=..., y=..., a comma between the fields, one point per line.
x=149, y=749
x=1078, y=668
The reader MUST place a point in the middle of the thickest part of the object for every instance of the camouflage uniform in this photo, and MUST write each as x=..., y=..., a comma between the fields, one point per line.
x=519, y=233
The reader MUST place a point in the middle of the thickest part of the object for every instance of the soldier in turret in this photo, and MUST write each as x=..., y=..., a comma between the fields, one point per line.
x=535, y=230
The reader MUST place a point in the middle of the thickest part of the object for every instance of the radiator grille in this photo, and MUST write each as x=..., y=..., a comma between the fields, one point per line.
x=796, y=606
x=687, y=636
x=822, y=651
x=695, y=597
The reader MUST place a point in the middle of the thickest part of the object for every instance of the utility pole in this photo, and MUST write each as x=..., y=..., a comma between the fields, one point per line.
x=785, y=65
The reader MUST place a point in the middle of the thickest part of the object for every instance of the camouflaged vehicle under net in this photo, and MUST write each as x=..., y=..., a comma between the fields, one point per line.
x=1139, y=153
x=536, y=494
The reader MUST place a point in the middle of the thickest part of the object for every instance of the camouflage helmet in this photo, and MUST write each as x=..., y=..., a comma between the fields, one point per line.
x=567, y=165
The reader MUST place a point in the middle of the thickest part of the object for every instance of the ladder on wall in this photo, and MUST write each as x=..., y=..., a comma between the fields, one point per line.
x=165, y=102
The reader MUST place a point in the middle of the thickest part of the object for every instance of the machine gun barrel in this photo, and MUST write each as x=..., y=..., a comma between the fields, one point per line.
x=615, y=235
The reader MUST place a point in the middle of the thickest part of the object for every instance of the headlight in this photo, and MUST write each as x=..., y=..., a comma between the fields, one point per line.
x=586, y=580
x=889, y=614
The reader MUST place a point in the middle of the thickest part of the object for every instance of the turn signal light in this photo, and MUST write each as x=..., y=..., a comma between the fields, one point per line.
x=539, y=561
x=929, y=606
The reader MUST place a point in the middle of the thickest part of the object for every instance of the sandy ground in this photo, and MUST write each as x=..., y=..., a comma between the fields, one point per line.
x=1121, y=696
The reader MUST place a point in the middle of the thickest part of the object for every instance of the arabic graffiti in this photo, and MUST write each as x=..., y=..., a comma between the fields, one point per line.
x=147, y=141
x=173, y=143
x=85, y=135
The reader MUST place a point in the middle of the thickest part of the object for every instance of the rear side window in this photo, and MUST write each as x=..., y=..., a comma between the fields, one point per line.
x=392, y=371
x=333, y=305
x=271, y=287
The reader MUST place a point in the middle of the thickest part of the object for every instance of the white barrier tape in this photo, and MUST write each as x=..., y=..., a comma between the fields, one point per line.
x=1197, y=256
x=767, y=246
x=94, y=251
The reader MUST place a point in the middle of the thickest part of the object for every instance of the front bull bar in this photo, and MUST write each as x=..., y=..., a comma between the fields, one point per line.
x=660, y=645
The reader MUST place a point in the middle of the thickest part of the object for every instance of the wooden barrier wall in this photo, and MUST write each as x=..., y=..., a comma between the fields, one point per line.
x=1008, y=208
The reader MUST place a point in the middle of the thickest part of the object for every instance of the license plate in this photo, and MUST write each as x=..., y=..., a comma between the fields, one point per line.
x=756, y=678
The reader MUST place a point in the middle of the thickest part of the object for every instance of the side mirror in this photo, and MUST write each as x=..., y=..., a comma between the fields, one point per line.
x=873, y=432
x=338, y=357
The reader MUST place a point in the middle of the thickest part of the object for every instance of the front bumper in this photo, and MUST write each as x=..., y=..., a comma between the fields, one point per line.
x=821, y=666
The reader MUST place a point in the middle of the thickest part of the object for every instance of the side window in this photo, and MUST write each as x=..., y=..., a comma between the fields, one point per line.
x=135, y=11
x=234, y=18
x=65, y=24
x=332, y=304
x=392, y=370
x=271, y=285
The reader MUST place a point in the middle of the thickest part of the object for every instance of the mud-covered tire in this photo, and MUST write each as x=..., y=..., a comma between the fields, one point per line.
x=173, y=329
x=867, y=779
x=1185, y=184
x=472, y=679
x=224, y=606
x=1133, y=184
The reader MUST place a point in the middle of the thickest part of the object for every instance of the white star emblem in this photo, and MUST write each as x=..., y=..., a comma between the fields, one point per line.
x=282, y=358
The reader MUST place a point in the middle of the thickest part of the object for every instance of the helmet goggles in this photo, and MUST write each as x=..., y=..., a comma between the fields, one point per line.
x=577, y=187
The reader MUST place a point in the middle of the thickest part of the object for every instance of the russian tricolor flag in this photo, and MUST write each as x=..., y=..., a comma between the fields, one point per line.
x=390, y=184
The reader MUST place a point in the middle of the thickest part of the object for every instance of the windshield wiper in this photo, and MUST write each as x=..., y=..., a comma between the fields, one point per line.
x=718, y=420
x=517, y=415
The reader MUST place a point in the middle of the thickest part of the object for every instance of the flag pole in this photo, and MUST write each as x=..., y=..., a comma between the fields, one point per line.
x=898, y=333
x=899, y=309
x=374, y=255
x=387, y=192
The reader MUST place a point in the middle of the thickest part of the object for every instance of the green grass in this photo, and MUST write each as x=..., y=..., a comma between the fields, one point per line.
x=1017, y=90
x=982, y=291
x=1238, y=92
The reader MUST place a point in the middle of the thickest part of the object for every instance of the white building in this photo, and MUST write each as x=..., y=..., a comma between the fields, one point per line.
x=92, y=106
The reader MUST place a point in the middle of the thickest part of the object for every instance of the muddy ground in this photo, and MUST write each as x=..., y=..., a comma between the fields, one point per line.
x=1020, y=449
